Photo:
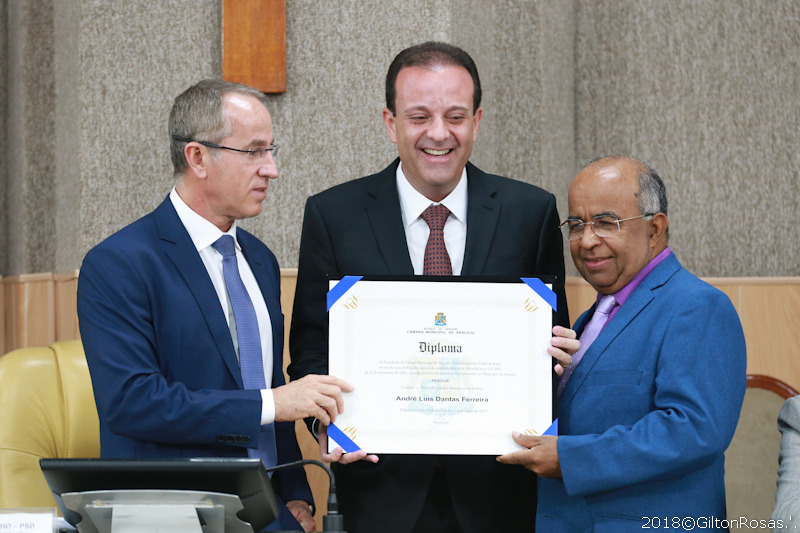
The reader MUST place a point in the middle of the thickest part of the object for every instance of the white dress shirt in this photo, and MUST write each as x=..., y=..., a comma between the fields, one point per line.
x=413, y=203
x=203, y=234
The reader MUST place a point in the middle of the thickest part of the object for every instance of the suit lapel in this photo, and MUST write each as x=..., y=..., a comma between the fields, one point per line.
x=383, y=211
x=179, y=248
x=483, y=211
x=386, y=219
x=636, y=303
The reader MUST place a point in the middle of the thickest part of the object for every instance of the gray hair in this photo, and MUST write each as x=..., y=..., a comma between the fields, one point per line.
x=652, y=192
x=199, y=114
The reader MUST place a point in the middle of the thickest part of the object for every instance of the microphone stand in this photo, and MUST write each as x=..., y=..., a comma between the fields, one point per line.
x=332, y=522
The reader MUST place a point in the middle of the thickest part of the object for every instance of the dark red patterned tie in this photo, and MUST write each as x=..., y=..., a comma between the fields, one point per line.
x=437, y=260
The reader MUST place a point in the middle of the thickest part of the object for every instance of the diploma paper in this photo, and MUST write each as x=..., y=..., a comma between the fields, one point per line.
x=440, y=367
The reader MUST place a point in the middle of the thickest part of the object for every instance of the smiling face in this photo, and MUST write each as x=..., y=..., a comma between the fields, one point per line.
x=611, y=187
x=434, y=128
x=233, y=185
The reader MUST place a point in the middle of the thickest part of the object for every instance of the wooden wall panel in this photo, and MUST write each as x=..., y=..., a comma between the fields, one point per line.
x=580, y=296
x=65, y=288
x=29, y=310
x=254, y=43
x=769, y=316
x=732, y=289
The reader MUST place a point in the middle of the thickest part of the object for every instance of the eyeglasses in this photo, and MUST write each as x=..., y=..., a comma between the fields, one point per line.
x=604, y=226
x=256, y=154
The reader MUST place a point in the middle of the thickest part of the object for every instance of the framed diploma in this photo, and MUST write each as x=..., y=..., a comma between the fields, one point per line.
x=441, y=365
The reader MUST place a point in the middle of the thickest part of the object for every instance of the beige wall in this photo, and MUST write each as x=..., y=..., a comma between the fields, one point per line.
x=706, y=91
x=89, y=86
x=91, y=82
x=3, y=113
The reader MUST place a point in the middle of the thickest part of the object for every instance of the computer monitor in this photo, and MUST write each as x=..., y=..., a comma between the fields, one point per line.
x=245, y=478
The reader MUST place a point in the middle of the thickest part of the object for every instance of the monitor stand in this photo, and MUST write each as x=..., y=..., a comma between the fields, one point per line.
x=149, y=511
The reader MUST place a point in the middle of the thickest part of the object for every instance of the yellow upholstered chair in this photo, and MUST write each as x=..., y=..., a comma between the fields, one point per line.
x=47, y=409
x=751, y=461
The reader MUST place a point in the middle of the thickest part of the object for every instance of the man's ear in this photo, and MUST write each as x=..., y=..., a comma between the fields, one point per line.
x=389, y=122
x=476, y=123
x=195, y=159
x=659, y=225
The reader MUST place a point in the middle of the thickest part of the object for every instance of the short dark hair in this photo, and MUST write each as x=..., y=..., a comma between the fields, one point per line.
x=427, y=55
x=199, y=114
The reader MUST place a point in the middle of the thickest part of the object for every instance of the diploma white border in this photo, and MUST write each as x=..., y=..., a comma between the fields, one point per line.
x=374, y=323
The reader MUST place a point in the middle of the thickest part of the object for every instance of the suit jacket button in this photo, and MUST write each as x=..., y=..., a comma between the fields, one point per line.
x=220, y=438
x=246, y=439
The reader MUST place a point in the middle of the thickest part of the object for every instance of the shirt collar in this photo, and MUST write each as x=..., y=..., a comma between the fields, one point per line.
x=623, y=294
x=413, y=203
x=202, y=232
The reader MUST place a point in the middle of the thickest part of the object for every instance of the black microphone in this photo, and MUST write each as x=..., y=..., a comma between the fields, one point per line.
x=333, y=522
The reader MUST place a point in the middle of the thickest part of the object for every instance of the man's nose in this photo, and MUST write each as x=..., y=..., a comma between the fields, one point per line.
x=589, y=238
x=438, y=130
x=268, y=168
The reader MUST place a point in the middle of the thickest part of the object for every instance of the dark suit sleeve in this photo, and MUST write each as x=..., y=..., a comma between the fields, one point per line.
x=140, y=378
x=290, y=484
x=308, y=340
x=551, y=258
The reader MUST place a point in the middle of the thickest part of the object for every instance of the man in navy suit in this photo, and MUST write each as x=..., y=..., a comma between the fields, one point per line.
x=157, y=322
x=653, y=402
x=495, y=227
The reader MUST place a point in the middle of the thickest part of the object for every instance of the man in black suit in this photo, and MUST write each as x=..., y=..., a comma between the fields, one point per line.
x=372, y=226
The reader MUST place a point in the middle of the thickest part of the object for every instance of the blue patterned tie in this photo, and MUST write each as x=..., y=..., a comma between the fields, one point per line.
x=436, y=261
x=589, y=334
x=250, y=357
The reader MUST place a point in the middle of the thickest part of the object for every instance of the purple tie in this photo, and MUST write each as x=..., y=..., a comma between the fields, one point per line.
x=437, y=260
x=590, y=333
x=251, y=359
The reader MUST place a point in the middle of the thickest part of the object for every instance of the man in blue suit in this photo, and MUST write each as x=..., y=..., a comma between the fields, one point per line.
x=650, y=406
x=159, y=320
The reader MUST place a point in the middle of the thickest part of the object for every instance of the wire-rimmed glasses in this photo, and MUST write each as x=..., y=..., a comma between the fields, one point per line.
x=604, y=226
x=257, y=153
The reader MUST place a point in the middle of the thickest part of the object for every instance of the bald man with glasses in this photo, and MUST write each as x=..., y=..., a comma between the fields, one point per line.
x=652, y=398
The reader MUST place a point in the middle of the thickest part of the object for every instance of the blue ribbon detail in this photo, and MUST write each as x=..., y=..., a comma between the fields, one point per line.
x=542, y=290
x=342, y=439
x=553, y=429
x=340, y=288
